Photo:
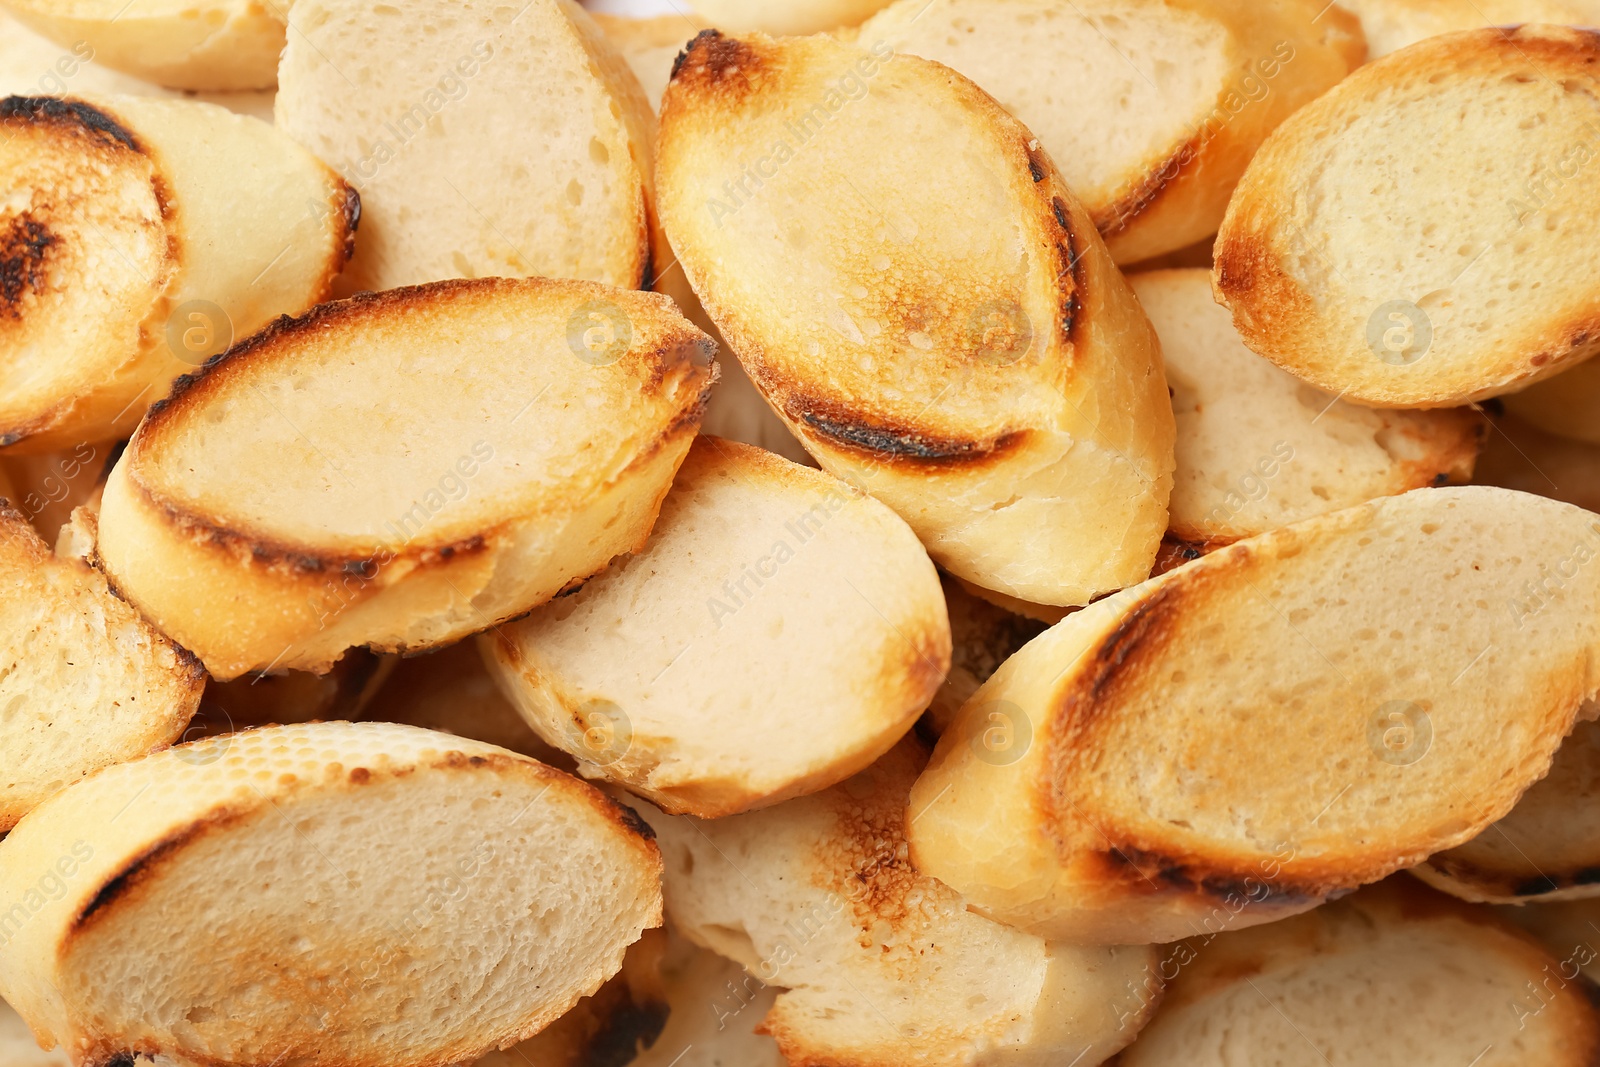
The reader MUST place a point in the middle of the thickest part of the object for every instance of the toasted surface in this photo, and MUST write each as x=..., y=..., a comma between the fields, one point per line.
x=1393, y=976
x=940, y=325
x=1150, y=108
x=1258, y=448
x=650, y=45
x=520, y=148
x=879, y=964
x=430, y=833
x=1567, y=405
x=791, y=17
x=782, y=629
x=1523, y=457
x=84, y=680
x=982, y=636
x=1472, y=287
x=182, y=44
x=1390, y=25
x=501, y=459
x=1287, y=718
x=1547, y=847
x=136, y=245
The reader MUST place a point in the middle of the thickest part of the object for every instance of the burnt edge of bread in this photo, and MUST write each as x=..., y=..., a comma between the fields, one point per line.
x=68, y=113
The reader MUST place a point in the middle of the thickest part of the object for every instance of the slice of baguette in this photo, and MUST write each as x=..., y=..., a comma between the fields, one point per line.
x=1568, y=404
x=879, y=965
x=982, y=636
x=142, y=237
x=1285, y=719
x=940, y=325
x=1522, y=457
x=650, y=46
x=1259, y=449
x=1391, y=25
x=1151, y=109
x=328, y=893
x=1372, y=272
x=790, y=17
x=84, y=680
x=181, y=44
x=510, y=438
x=516, y=143
x=1391, y=977
x=780, y=631
x=1546, y=848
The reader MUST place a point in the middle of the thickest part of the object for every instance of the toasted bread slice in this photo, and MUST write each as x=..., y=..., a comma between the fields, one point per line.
x=1390, y=25
x=1568, y=404
x=541, y=423
x=1391, y=977
x=1522, y=457
x=1546, y=848
x=1287, y=718
x=452, y=691
x=780, y=631
x=182, y=44
x=1259, y=449
x=1151, y=109
x=360, y=860
x=144, y=236
x=519, y=145
x=1374, y=276
x=880, y=965
x=790, y=17
x=651, y=46
x=986, y=372
x=84, y=680
x=982, y=636
x=49, y=486
x=1570, y=929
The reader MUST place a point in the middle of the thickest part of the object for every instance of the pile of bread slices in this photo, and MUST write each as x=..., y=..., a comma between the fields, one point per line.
x=841, y=533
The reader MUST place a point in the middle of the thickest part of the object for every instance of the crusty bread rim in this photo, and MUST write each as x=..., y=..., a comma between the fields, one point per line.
x=1483, y=885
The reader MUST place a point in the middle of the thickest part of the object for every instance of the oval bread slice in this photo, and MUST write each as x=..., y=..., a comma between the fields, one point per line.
x=1353, y=261
x=517, y=143
x=1390, y=25
x=1548, y=846
x=1391, y=977
x=1568, y=404
x=780, y=631
x=939, y=325
x=402, y=469
x=1285, y=719
x=1151, y=109
x=330, y=893
x=84, y=680
x=798, y=17
x=181, y=44
x=880, y=965
x=144, y=236
x=1258, y=448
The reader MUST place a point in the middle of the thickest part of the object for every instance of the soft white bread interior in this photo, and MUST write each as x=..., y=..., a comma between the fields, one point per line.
x=360, y=859
x=878, y=964
x=783, y=630
x=1391, y=25
x=1548, y=846
x=143, y=236
x=517, y=143
x=1258, y=448
x=84, y=681
x=1523, y=457
x=983, y=635
x=1568, y=404
x=1358, y=264
x=401, y=469
x=651, y=46
x=182, y=44
x=940, y=325
x=791, y=17
x=1287, y=718
x=1393, y=976
x=1150, y=108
